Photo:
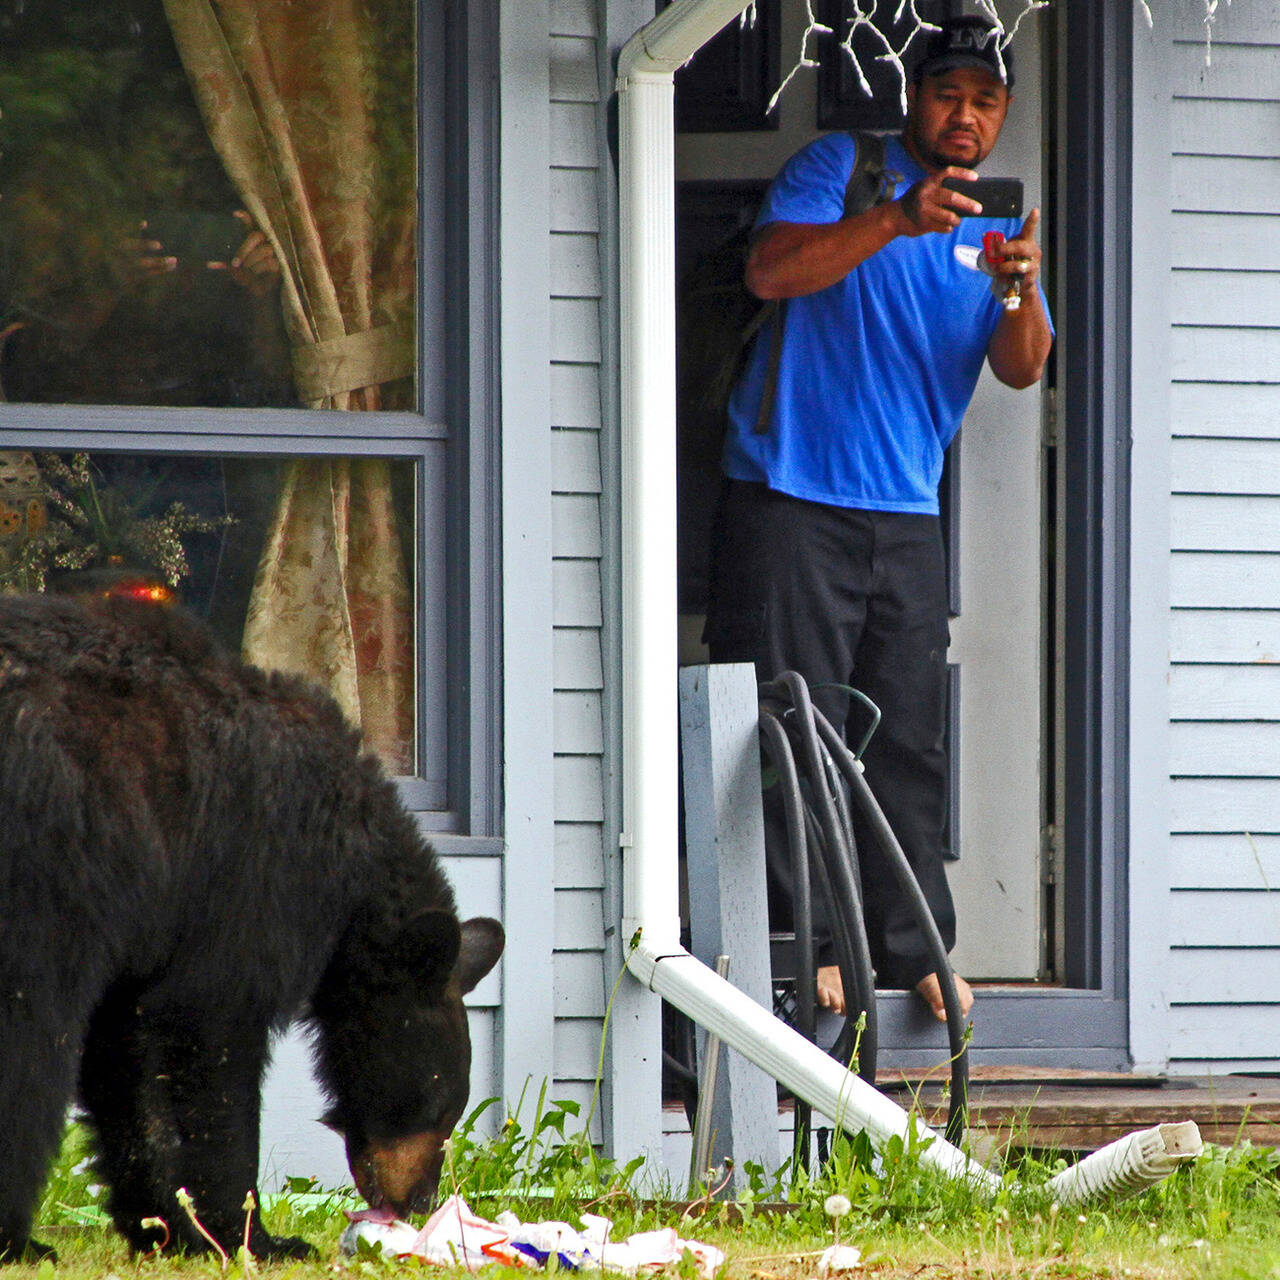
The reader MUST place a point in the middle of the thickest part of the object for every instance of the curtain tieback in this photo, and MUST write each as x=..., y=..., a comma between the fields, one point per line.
x=333, y=366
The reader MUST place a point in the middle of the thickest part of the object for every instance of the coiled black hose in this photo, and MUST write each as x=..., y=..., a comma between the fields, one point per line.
x=812, y=760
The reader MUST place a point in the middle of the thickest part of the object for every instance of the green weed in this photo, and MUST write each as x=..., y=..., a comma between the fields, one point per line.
x=72, y=1197
x=552, y=1163
x=1215, y=1219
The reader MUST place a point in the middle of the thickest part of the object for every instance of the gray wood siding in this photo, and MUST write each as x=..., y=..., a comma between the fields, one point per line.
x=578, y=735
x=1223, y=973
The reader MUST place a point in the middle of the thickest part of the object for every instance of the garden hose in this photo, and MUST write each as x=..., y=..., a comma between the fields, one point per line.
x=807, y=787
x=814, y=767
x=852, y=770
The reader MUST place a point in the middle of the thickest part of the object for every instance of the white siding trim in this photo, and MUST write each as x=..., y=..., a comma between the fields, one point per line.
x=1243, y=24
x=576, y=355
x=1226, y=409
x=1233, y=861
x=525, y=196
x=1149, y=551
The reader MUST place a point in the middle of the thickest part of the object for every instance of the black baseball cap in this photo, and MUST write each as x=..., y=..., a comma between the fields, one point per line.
x=966, y=42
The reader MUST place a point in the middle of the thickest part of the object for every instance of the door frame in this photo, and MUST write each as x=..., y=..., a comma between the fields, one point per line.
x=1083, y=1020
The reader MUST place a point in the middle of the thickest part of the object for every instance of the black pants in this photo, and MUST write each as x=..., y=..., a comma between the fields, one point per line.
x=852, y=598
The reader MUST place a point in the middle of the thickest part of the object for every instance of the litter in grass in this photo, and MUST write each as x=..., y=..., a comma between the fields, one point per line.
x=455, y=1236
x=839, y=1257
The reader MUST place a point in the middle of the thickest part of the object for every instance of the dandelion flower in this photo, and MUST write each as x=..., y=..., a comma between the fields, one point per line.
x=836, y=1206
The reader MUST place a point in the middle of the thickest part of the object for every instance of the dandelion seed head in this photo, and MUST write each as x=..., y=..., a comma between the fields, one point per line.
x=836, y=1206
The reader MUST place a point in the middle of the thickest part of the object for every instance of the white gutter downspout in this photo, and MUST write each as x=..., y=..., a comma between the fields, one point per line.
x=650, y=832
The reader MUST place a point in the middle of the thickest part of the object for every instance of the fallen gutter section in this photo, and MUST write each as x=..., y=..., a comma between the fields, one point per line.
x=650, y=836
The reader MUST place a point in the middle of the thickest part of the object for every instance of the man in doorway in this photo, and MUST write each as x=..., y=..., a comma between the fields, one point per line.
x=827, y=554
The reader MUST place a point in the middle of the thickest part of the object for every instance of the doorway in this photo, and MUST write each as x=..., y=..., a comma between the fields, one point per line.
x=999, y=507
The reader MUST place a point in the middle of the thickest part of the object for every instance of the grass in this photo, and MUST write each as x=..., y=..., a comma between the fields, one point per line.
x=1216, y=1219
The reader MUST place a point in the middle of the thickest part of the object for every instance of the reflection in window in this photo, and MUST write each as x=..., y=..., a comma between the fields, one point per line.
x=329, y=596
x=211, y=203
x=143, y=140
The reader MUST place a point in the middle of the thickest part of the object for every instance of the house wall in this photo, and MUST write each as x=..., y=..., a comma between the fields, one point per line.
x=524, y=273
x=1205, y=682
x=576, y=355
x=1206, y=940
x=586, y=949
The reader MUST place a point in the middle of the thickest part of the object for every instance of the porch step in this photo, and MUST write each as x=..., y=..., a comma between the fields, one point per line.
x=908, y=1079
x=1023, y=1108
x=1038, y=1108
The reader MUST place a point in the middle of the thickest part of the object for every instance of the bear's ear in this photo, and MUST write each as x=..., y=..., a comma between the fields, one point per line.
x=427, y=945
x=482, y=943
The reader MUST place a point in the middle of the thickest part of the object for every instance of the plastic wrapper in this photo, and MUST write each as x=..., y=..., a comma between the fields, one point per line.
x=455, y=1236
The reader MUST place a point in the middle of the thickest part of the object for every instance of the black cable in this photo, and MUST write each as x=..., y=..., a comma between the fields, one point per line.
x=788, y=699
x=851, y=768
x=805, y=842
x=793, y=728
x=778, y=747
x=853, y=1040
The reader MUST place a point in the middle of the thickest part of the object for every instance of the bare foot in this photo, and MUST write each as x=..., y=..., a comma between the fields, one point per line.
x=831, y=992
x=931, y=989
x=830, y=988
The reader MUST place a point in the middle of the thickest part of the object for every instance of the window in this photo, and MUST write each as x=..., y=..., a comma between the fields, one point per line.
x=209, y=243
x=208, y=206
x=302, y=564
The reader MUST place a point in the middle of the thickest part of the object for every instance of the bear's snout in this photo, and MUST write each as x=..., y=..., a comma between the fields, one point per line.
x=401, y=1175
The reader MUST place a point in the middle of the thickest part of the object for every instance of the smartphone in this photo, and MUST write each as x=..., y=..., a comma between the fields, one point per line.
x=999, y=197
x=192, y=235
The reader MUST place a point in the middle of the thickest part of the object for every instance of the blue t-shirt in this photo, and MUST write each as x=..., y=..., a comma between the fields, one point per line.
x=877, y=369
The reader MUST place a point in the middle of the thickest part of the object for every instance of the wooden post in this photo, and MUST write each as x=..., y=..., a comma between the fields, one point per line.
x=728, y=914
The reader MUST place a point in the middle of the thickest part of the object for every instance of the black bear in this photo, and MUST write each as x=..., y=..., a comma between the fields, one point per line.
x=192, y=854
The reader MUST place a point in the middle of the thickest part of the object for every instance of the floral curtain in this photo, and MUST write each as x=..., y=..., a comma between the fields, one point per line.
x=311, y=107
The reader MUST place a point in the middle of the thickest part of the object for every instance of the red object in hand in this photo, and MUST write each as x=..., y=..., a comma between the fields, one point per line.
x=992, y=242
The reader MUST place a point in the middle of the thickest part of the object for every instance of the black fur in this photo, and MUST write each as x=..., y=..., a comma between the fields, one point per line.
x=192, y=854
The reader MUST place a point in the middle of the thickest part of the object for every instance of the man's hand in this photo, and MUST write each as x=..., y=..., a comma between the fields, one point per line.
x=144, y=257
x=1020, y=344
x=929, y=206
x=255, y=266
x=1022, y=255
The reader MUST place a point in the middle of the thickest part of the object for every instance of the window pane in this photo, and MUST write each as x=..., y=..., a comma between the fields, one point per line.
x=143, y=140
x=301, y=564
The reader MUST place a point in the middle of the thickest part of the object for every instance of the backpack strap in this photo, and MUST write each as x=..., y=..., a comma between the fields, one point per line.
x=870, y=183
x=776, y=317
